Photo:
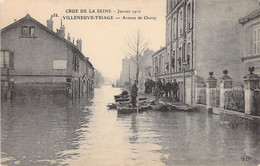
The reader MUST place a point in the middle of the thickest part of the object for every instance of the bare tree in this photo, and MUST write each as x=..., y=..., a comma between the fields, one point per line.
x=136, y=46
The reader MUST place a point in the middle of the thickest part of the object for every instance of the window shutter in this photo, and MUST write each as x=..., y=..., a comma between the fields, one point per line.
x=11, y=60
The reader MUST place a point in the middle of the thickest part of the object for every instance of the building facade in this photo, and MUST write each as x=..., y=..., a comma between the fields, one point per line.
x=251, y=38
x=204, y=36
x=38, y=60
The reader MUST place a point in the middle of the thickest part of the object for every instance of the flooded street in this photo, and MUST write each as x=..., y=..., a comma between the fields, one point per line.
x=58, y=131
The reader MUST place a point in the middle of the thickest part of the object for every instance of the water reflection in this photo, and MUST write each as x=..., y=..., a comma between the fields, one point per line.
x=56, y=130
x=35, y=130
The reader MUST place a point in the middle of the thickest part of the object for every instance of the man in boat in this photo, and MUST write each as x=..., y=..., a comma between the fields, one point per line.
x=150, y=86
x=134, y=91
x=124, y=94
x=146, y=84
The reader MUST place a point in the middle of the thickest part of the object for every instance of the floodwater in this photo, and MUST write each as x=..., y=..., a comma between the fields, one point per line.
x=58, y=131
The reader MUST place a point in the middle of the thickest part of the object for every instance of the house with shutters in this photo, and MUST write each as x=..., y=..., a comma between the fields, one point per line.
x=36, y=60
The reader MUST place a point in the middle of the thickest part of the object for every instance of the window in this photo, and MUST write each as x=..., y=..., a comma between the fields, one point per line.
x=168, y=6
x=188, y=16
x=27, y=31
x=173, y=29
x=180, y=58
x=24, y=31
x=188, y=56
x=32, y=31
x=256, y=41
x=160, y=64
x=166, y=68
x=173, y=61
x=7, y=59
x=75, y=62
x=173, y=4
x=168, y=30
x=181, y=22
x=156, y=72
x=167, y=33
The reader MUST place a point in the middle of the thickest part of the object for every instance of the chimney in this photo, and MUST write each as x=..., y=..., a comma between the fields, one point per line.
x=68, y=37
x=79, y=44
x=50, y=23
x=62, y=29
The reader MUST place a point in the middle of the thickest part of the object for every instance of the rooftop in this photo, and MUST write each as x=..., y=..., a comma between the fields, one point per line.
x=159, y=51
x=28, y=17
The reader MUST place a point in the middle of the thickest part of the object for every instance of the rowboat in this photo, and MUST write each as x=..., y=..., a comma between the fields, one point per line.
x=121, y=96
x=128, y=99
x=112, y=106
x=127, y=109
x=122, y=100
x=124, y=94
x=161, y=107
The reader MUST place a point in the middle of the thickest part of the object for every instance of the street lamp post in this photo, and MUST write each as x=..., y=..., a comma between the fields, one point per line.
x=184, y=65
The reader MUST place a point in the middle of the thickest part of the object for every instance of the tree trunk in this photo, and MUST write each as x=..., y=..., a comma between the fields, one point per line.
x=137, y=73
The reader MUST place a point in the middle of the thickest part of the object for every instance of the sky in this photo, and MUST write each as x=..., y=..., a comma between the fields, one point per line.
x=103, y=41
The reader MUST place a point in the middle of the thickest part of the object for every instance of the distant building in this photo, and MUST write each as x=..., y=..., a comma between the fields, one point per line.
x=251, y=38
x=204, y=36
x=129, y=67
x=128, y=71
x=159, y=60
x=39, y=60
x=145, y=67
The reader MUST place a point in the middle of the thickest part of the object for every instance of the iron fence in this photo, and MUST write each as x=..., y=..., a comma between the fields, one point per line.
x=235, y=100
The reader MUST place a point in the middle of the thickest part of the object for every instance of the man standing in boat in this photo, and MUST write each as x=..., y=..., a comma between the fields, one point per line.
x=146, y=84
x=134, y=91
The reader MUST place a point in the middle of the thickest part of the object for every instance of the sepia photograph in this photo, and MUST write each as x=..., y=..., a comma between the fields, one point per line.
x=130, y=82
